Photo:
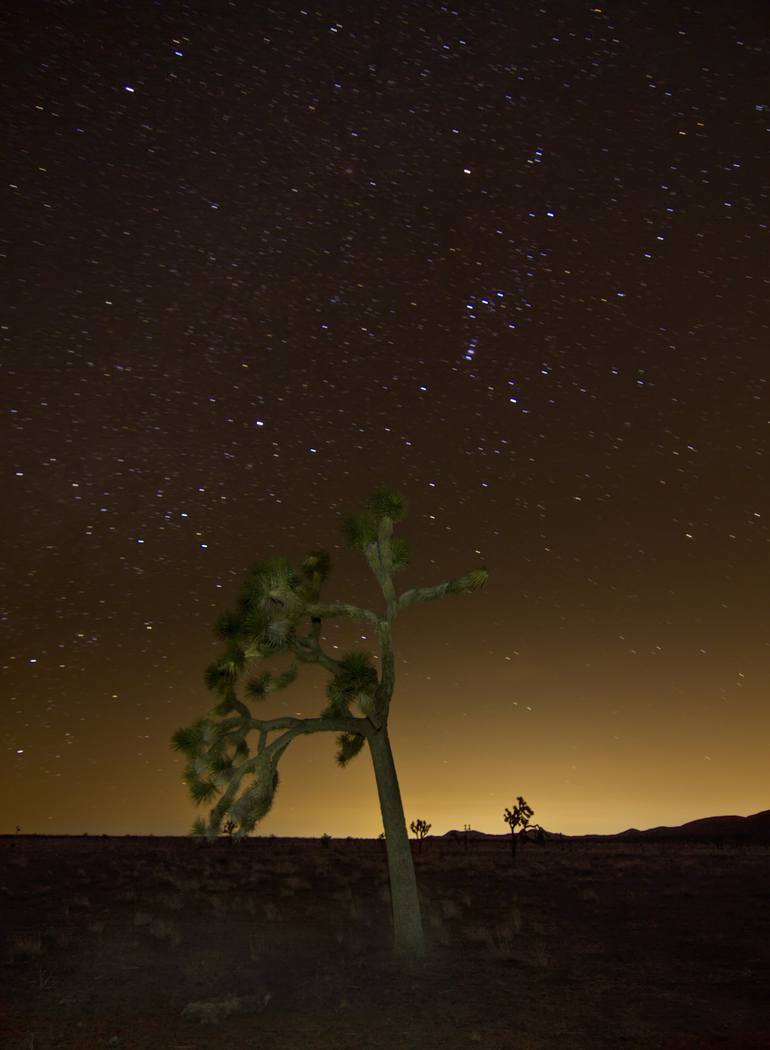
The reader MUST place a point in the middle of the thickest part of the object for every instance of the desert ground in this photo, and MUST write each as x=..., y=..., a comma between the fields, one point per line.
x=283, y=944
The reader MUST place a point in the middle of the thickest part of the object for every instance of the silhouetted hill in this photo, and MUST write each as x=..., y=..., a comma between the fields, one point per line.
x=755, y=828
x=487, y=836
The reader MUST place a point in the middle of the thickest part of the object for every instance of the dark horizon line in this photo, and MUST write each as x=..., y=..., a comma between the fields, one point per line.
x=760, y=816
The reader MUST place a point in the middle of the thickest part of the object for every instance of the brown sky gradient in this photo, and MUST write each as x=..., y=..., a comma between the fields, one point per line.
x=513, y=263
x=598, y=731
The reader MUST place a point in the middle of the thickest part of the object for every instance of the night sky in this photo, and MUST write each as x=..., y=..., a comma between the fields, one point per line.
x=509, y=258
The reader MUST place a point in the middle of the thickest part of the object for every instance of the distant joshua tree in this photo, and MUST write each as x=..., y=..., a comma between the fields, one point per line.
x=518, y=817
x=279, y=611
x=419, y=829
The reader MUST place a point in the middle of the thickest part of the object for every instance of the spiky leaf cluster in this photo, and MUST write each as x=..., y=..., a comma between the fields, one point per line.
x=263, y=685
x=242, y=787
x=190, y=739
x=221, y=675
x=399, y=554
x=316, y=566
x=271, y=603
x=355, y=681
x=348, y=746
x=387, y=503
x=198, y=829
x=254, y=803
x=471, y=581
x=215, y=749
x=359, y=530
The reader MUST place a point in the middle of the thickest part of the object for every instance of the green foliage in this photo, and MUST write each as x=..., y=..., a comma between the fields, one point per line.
x=258, y=688
x=220, y=676
x=471, y=581
x=263, y=685
x=198, y=829
x=221, y=764
x=268, y=578
x=387, y=503
x=316, y=566
x=270, y=609
x=355, y=681
x=227, y=704
x=189, y=740
x=256, y=802
x=270, y=604
x=348, y=746
x=399, y=553
x=356, y=673
x=252, y=622
x=288, y=676
x=201, y=790
x=359, y=530
x=276, y=636
x=227, y=626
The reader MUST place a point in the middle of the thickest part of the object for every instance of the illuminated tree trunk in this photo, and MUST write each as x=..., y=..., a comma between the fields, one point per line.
x=407, y=922
x=280, y=611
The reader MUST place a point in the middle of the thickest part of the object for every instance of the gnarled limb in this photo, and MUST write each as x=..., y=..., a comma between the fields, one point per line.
x=336, y=609
x=297, y=726
x=309, y=650
x=471, y=581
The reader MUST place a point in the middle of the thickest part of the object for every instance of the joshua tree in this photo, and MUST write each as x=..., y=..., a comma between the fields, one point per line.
x=517, y=817
x=419, y=829
x=279, y=611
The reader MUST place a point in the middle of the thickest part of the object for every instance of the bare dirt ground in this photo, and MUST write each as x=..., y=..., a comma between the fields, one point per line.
x=273, y=944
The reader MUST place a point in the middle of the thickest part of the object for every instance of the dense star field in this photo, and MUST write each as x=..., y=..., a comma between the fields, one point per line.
x=508, y=258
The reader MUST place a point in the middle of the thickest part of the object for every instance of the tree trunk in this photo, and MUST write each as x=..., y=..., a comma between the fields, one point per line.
x=408, y=939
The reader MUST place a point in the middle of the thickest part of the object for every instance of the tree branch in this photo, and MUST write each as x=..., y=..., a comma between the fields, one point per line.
x=335, y=609
x=387, y=666
x=471, y=581
x=380, y=558
x=297, y=726
x=310, y=652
